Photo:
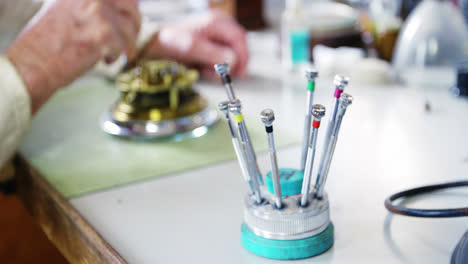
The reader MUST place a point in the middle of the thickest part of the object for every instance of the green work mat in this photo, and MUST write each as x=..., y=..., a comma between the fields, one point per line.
x=66, y=144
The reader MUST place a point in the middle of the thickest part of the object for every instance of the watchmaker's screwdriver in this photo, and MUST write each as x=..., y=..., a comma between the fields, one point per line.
x=268, y=116
x=340, y=83
x=318, y=111
x=235, y=108
x=223, y=106
x=344, y=102
x=311, y=75
x=222, y=70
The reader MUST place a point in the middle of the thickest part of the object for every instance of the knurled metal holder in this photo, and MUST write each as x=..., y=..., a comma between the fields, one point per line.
x=291, y=222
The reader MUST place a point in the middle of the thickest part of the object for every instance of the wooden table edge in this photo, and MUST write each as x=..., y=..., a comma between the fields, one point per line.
x=75, y=238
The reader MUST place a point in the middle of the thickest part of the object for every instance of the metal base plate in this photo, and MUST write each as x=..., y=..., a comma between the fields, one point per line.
x=151, y=130
x=287, y=249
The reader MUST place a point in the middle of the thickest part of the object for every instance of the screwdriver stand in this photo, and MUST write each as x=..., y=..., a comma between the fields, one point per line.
x=292, y=232
x=293, y=223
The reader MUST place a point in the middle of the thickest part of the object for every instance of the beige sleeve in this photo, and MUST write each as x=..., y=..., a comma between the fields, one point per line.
x=15, y=110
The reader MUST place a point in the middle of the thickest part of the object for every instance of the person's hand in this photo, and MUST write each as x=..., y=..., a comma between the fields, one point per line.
x=70, y=39
x=203, y=41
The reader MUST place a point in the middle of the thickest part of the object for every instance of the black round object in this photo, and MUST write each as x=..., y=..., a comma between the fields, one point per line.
x=446, y=212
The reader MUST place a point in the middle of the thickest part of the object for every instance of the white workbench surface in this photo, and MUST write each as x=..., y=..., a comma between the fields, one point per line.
x=388, y=142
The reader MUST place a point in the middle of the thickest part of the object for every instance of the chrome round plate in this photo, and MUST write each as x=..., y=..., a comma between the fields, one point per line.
x=153, y=130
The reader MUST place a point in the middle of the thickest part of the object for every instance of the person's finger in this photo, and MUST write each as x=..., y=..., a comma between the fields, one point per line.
x=127, y=33
x=226, y=30
x=98, y=32
x=236, y=41
x=110, y=39
x=109, y=43
x=208, y=53
x=111, y=49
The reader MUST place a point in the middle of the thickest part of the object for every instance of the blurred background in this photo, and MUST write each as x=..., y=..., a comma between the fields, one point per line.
x=386, y=40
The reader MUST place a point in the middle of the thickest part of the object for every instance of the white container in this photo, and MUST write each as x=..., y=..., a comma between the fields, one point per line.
x=432, y=42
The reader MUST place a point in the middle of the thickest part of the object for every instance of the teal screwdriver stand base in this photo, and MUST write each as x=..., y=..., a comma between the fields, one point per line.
x=287, y=249
x=290, y=181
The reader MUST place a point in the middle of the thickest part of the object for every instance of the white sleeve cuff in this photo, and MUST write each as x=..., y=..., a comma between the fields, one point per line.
x=15, y=110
